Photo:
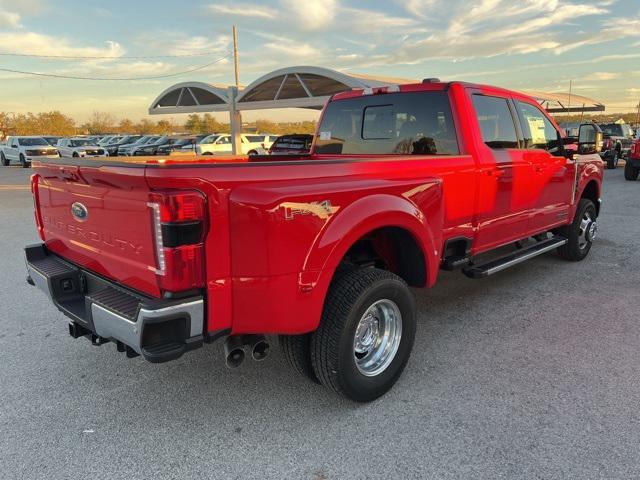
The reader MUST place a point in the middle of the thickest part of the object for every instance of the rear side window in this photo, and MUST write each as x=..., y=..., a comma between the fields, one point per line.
x=255, y=138
x=496, y=121
x=538, y=131
x=415, y=123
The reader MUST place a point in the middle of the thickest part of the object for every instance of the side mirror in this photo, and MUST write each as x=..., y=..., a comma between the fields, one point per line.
x=590, y=139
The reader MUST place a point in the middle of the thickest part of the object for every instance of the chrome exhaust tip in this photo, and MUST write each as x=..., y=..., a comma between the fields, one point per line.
x=233, y=351
x=259, y=348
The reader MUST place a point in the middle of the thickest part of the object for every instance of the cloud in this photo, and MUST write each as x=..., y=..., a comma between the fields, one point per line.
x=24, y=7
x=9, y=19
x=368, y=21
x=311, y=14
x=242, y=10
x=40, y=44
x=156, y=42
x=604, y=76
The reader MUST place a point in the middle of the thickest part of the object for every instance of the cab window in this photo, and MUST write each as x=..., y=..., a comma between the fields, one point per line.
x=537, y=129
x=410, y=123
x=496, y=121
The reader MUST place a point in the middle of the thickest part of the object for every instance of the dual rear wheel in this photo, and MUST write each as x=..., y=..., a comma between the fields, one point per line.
x=365, y=336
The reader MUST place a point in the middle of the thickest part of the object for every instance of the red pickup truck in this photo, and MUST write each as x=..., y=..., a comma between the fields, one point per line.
x=632, y=167
x=163, y=255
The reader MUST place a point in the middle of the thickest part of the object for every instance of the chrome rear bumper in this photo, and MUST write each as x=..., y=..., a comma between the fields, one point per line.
x=101, y=310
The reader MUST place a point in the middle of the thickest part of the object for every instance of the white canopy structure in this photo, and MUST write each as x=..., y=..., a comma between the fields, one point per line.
x=306, y=87
x=565, y=102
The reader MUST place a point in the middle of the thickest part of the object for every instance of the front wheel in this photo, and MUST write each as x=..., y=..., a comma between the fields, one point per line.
x=581, y=233
x=631, y=172
x=4, y=160
x=23, y=162
x=365, y=335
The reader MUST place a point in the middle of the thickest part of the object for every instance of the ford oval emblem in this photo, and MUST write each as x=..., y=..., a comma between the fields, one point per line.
x=79, y=212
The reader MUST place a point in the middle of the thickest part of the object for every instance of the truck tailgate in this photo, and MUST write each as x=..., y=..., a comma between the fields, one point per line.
x=99, y=218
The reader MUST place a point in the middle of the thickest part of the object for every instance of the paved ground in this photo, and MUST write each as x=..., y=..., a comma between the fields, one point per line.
x=531, y=374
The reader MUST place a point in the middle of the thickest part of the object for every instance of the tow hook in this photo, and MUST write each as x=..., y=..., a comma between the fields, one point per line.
x=235, y=345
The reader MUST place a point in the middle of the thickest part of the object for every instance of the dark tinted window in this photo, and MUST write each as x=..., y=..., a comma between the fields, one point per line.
x=418, y=123
x=293, y=143
x=537, y=130
x=32, y=142
x=255, y=138
x=496, y=122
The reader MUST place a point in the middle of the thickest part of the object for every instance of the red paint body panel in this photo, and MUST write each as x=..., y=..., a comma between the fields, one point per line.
x=279, y=226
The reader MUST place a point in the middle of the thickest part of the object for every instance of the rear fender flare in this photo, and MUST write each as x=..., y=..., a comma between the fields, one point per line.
x=354, y=222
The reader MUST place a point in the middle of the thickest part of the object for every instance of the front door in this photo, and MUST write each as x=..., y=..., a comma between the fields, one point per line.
x=553, y=175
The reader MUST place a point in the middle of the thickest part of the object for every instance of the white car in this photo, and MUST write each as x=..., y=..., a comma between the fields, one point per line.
x=220, y=144
x=26, y=149
x=80, y=147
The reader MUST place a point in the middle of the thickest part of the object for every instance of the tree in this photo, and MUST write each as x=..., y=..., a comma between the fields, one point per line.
x=144, y=126
x=126, y=126
x=101, y=123
x=194, y=124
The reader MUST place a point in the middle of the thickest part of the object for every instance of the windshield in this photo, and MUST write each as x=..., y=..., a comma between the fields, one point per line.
x=613, y=129
x=32, y=142
x=80, y=142
x=210, y=139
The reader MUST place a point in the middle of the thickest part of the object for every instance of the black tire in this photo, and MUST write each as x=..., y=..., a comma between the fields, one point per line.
x=297, y=350
x=612, y=159
x=75, y=154
x=4, y=160
x=573, y=250
x=252, y=152
x=631, y=172
x=332, y=345
x=23, y=162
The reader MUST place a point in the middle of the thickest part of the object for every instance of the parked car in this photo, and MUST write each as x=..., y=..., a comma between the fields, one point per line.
x=25, y=149
x=108, y=139
x=182, y=144
x=163, y=258
x=112, y=148
x=295, y=144
x=632, y=165
x=220, y=144
x=125, y=150
x=617, y=142
x=80, y=147
x=152, y=147
x=53, y=141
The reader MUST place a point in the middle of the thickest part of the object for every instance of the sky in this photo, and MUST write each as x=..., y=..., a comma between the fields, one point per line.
x=519, y=44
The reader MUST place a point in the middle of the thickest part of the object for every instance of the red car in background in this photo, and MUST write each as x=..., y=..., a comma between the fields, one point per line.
x=632, y=167
x=295, y=144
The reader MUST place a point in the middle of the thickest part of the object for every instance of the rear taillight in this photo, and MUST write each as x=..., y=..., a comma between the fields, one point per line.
x=36, y=208
x=179, y=227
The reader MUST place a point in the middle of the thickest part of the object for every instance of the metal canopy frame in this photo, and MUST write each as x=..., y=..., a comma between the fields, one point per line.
x=270, y=92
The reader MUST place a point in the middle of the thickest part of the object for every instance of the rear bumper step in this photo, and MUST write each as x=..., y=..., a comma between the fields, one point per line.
x=101, y=310
x=491, y=267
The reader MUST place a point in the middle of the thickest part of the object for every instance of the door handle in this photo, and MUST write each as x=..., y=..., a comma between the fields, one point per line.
x=495, y=173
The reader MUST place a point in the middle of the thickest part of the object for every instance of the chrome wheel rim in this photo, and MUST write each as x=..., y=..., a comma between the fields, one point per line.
x=588, y=230
x=377, y=337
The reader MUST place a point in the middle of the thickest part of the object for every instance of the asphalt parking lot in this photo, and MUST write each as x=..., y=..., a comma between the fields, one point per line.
x=533, y=373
